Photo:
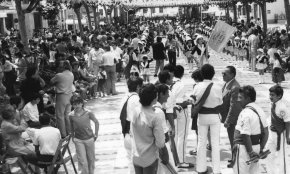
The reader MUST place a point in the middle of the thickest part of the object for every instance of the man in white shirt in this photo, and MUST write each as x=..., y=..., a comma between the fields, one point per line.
x=135, y=41
x=132, y=103
x=47, y=139
x=182, y=121
x=116, y=50
x=109, y=61
x=63, y=83
x=31, y=113
x=251, y=132
x=95, y=58
x=163, y=94
x=208, y=118
x=279, y=132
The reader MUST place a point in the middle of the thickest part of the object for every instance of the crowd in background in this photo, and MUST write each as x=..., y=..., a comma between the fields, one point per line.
x=46, y=89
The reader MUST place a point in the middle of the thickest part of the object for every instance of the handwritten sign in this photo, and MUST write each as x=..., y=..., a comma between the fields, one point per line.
x=220, y=36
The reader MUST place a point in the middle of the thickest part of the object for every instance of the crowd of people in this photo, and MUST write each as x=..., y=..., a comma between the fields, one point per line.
x=43, y=95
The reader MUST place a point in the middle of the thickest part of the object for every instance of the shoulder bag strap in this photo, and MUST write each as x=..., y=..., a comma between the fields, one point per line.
x=202, y=100
x=256, y=112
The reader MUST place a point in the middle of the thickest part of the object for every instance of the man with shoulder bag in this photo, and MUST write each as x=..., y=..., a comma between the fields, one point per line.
x=251, y=134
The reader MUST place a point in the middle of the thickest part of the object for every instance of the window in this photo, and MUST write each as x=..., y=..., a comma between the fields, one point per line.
x=101, y=11
x=70, y=27
x=153, y=10
x=145, y=10
x=161, y=10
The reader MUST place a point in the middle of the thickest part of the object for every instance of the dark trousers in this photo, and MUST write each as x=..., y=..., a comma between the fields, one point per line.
x=231, y=131
x=172, y=57
x=152, y=169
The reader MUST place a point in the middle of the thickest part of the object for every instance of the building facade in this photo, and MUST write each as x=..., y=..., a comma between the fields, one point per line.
x=9, y=19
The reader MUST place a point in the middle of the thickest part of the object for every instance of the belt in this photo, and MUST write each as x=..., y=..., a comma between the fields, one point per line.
x=254, y=138
x=205, y=110
x=239, y=140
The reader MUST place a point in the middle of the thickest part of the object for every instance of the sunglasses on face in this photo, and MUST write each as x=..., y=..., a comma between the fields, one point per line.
x=134, y=74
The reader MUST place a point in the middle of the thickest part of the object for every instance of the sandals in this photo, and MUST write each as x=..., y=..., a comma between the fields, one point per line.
x=192, y=152
x=185, y=165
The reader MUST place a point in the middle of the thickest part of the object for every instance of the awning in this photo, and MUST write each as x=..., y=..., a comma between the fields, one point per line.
x=71, y=21
x=3, y=15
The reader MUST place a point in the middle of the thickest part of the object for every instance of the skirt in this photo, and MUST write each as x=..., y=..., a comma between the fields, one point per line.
x=145, y=71
x=261, y=66
x=278, y=75
x=236, y=51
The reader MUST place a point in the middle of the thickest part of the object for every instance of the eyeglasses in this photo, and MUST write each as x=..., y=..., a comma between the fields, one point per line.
x=134, y=73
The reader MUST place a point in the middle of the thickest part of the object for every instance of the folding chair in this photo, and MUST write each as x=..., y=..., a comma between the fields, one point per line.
x=59, y=159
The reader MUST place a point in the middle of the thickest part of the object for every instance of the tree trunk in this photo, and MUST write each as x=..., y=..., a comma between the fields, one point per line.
x=228, y=13
x=106, y=14
x=78, y=13
x=264, y=16
x=246, y=5
x=22, y=25
x=95, y=16
x=235, y=12
x=88, y=15
x=287, y=11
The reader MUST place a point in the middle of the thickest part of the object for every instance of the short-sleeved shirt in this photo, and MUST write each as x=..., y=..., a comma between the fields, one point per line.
x=47, y=138
x=161, y=114
x=282, y=110
x=133, y=103
x=63, y=82
x=248, y=121
x=30, y=112
x=81, y=125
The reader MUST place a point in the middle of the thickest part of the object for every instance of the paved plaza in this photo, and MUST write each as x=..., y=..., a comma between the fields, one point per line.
x=110, y=153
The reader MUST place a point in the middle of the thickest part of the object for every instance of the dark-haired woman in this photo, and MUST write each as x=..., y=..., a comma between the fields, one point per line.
x=278, y=72
x=130, y=59
x=31, y=85
x=83, y=135
x=9, y=74
x=148, y=135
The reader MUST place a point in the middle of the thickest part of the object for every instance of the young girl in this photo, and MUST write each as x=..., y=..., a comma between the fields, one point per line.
x=102, y=76
x=145, y=71
x=242, y=52
x=271, y=52
x=188, y=49
x=278, y=72
x=83, y=135
x=236, y=49
x=261, y=65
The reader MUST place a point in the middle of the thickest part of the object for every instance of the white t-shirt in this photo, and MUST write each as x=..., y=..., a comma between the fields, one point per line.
x=47, y=138
x=161, y=114
x=271, y=52
x=117, y=52
x=248, y=121
x=31, y=112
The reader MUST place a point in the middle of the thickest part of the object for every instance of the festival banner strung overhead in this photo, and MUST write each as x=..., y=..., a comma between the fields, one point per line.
x=220, y=36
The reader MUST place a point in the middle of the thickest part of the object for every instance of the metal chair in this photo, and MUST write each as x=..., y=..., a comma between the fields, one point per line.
x=58, y=159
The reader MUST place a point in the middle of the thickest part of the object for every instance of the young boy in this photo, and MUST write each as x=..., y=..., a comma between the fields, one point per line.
x=163, y=94
x=102, y=76
x=279, y=132
x=31, y=113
